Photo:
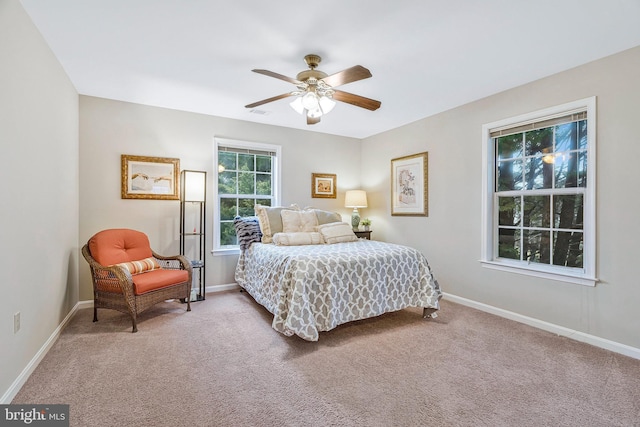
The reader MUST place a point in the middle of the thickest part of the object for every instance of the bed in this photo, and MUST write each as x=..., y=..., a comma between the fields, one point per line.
x=312, y=286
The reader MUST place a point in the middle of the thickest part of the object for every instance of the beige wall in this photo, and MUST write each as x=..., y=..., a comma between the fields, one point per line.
x=450, y=236
x=39, y=215
x=111, y=128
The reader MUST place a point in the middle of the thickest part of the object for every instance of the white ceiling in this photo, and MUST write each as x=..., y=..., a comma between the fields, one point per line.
x=426, y=56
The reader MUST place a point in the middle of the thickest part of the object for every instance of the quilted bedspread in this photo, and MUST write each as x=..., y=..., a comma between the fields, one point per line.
x=315, y=288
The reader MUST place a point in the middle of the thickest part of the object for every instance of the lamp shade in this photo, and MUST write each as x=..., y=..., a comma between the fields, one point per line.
x=355, y=199
x=194, y=186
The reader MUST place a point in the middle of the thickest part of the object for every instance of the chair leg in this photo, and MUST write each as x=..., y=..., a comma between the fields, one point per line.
x=134, y=321
x=189, y=303
x=95, y=312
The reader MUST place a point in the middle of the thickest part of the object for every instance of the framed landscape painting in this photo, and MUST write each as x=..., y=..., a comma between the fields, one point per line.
x=323, y=185
x=409, y=185
x=149, y=177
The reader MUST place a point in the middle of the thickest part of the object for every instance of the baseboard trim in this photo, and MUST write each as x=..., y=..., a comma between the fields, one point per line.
x=549, y=327
x=221, y=288
x=13, y=390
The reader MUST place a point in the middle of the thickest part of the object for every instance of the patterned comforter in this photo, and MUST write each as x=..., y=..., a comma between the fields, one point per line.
x=315, y=288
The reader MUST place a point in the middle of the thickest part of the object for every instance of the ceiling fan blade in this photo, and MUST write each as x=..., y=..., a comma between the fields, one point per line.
x=313, y=120
x=353, y=74
x=357, y=100
x=265, y=101
x=277, y=76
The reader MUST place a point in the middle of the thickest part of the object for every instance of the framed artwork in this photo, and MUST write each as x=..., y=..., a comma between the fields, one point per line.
x=323, y=185
x=409, y=185
x=149, y=177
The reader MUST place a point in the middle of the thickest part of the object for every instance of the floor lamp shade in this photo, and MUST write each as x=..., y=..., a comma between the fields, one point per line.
x=194, y=184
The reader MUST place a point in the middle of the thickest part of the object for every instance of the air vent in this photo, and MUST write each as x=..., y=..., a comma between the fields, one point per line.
x=260, y=112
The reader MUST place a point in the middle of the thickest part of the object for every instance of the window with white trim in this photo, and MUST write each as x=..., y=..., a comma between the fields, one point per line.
x=539, y=193
x=246, y=174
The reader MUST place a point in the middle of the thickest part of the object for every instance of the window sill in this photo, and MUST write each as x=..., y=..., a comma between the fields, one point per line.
x=226, y=251
x=577, y=279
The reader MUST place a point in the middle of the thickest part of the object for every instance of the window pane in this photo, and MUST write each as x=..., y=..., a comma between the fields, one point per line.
x=567, y=137
x=263, y=164
x=536, y=211
x=227, y=182
x=509, y=210
x=538, y=141
x=246, y=183
x=582, y=134
x=227, y=234
x=509, y=146
x=246, y=162
x=568, y=211
x=566, y=170
x=509, y=243
x=263, y=184
x=246, y=207
x=568, y=248
x=536, y=246
x=227, y=160
x=539, y=174
x=510, y=175
x=582, y=169
x=228, y=208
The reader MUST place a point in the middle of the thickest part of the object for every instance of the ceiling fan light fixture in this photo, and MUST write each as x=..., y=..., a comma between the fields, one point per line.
x=314, y=114
x=310, y=101
x=297, y=105
x=326, y=104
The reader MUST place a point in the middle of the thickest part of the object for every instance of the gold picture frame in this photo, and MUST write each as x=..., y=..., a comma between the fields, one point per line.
x=410, y=185
x=145, y=177
x=323, y=185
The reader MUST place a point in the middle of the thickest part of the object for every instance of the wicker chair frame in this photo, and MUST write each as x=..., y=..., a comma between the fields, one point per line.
x=113, y=287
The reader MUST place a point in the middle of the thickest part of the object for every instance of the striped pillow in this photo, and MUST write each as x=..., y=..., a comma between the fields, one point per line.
x=247, y=231
x=137, y=267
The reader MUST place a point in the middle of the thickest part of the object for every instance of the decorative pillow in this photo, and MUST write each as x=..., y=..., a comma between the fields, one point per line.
x=297, y=239
x=270, y=220
x=337, y=232
x=137, y=267
x=247, y=230
x=325, y=217
x=298, y=221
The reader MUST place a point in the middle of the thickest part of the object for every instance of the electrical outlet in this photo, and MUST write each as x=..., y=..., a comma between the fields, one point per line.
x=16, y=322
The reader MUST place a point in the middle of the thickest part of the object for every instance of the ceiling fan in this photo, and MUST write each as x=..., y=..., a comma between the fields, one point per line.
x=315, y=93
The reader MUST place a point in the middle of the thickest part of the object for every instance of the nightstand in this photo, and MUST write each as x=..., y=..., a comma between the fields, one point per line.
x=363, y=234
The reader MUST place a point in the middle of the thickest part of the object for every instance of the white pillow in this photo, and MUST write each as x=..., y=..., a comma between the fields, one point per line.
x=298, y=221
x=270, y=220
x=297, y=239
x=337, y=232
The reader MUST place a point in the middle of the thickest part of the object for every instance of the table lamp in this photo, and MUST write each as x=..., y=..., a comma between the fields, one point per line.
x=355, y=199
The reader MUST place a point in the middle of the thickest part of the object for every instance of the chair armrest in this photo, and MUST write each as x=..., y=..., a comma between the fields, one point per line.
x=174, y=262
x=109, y=278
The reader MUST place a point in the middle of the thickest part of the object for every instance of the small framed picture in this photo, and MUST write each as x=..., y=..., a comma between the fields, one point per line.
x=323, y=185
x=409, y=185
x=149, y=177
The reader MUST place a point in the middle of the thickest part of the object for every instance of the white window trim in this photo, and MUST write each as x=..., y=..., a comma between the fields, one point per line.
x=217, y=250
x=584, y=276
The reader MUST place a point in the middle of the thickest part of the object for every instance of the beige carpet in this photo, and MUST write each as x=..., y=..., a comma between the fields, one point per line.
x=223, y=365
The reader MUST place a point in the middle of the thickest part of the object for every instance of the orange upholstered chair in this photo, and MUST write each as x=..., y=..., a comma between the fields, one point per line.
x=130, y=277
